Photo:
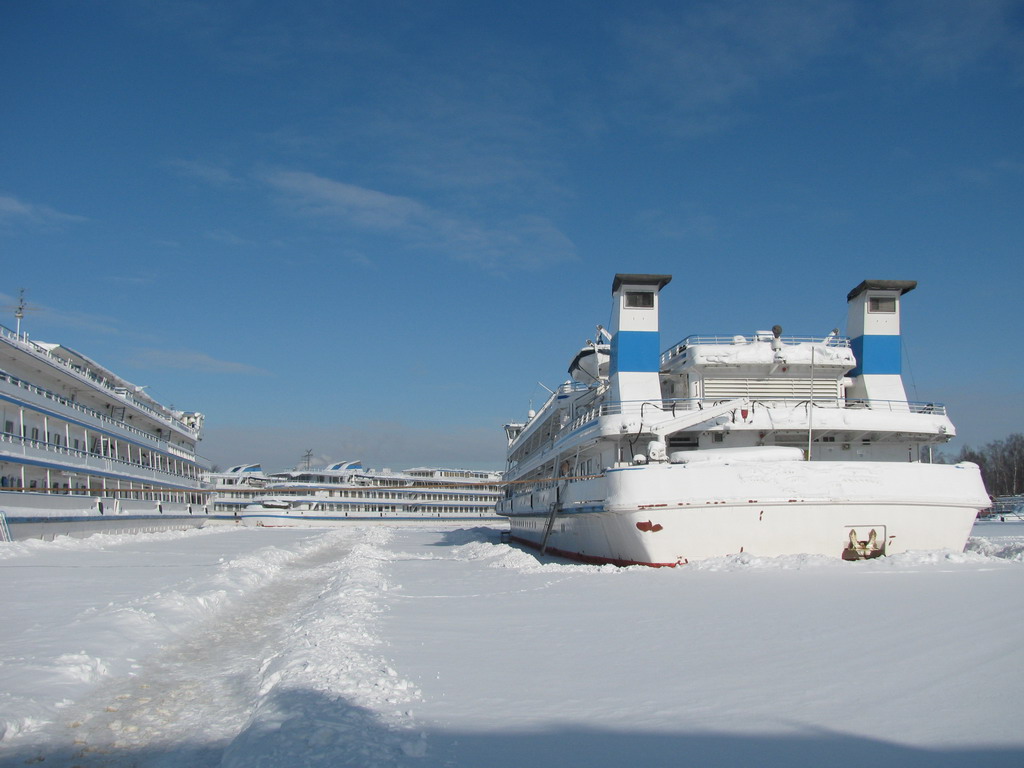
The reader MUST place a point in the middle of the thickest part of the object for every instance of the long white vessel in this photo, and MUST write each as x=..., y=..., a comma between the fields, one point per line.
x=758, y=443
x=347, y=491
x=84, y=451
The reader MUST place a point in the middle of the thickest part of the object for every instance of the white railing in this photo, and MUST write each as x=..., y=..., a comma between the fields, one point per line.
x=83, y=409
x=9, y=334
x=96, y=380
x=689, y=404
x=684, y=405
x=680, y=348
x=87, y=456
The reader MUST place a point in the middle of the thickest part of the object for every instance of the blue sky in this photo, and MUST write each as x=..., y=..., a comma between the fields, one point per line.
x=370, y=229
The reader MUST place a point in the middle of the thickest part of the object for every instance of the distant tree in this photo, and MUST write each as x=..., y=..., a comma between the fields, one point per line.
x=1002, y=465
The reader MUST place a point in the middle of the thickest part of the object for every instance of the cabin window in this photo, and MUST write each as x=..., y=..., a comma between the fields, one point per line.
x=640, y=299
x=882, y=304
x=9, y=427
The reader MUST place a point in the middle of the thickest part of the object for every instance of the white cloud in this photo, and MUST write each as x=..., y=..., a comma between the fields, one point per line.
x=190, y=360
x=41, y=314
x=318, y=196
x=210, y=173
x=691, y=70
x=940, y=38
x=695, y=63
x=13, y=210
x=518, y=242
x=227, y=238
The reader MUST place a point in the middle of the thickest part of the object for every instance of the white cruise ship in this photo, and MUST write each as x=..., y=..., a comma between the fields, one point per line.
x=347, y=491
x=84, y=451
x=758, y=443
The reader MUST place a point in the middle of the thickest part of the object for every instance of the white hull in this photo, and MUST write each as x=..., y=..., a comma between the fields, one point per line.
x=44, y=516
x=271, y=518
x=667, y=514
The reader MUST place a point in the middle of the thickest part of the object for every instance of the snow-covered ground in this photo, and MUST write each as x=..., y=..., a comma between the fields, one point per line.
x=440, y=646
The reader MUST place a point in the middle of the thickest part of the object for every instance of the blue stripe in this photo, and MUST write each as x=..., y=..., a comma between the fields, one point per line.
x=635, y=351
x=877, y=355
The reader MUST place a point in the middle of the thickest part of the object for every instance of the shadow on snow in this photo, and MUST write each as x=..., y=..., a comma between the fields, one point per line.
x=306, y=728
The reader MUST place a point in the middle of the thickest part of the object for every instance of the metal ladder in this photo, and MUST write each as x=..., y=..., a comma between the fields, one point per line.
x=5, y=530
x=551, y=518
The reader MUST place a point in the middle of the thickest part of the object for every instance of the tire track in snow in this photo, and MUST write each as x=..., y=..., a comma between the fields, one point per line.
x=289, y=668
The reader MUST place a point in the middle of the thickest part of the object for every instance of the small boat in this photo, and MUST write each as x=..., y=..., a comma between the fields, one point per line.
x=756, y=443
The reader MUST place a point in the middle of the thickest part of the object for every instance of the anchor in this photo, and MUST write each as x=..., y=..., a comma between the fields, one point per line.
x=863, y=550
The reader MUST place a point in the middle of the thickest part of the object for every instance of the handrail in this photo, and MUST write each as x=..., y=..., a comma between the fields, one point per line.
x=681, y=347
x=631, y=407
x=895, y=406
x=68, y=451
x=103, y=418
x=93, y=378
x=828, y=341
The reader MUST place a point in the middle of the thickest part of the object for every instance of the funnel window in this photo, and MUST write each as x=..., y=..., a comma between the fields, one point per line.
x=639, y=299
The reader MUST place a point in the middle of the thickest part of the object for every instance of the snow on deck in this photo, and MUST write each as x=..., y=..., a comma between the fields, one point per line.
x=441, y=646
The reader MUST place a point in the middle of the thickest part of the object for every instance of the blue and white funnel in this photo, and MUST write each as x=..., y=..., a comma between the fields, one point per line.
x=636, y=341
x=873, y=325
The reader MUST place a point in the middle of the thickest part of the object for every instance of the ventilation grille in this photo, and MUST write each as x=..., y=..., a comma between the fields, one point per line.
x=770, y=389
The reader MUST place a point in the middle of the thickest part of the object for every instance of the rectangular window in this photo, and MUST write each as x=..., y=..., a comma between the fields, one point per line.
x=640, y=299
x=882, y=304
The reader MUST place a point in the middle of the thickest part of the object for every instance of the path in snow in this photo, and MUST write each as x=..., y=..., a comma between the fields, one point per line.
x=297, y=649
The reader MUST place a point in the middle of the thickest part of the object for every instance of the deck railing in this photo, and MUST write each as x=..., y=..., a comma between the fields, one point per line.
x=63, y=450
x=680, y=347
x=697, y=403
x=83, y=409
x=683, y=405
x=96, y=380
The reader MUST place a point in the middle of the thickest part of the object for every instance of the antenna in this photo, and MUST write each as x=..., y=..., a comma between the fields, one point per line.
x=19, y=311
x=307, y=456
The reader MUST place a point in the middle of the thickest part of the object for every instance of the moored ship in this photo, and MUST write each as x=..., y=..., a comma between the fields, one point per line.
x=759, y=443
x=347, y=491
x=84, y=451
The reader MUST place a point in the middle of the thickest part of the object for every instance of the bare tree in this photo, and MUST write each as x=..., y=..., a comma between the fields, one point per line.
x=1002, y=465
